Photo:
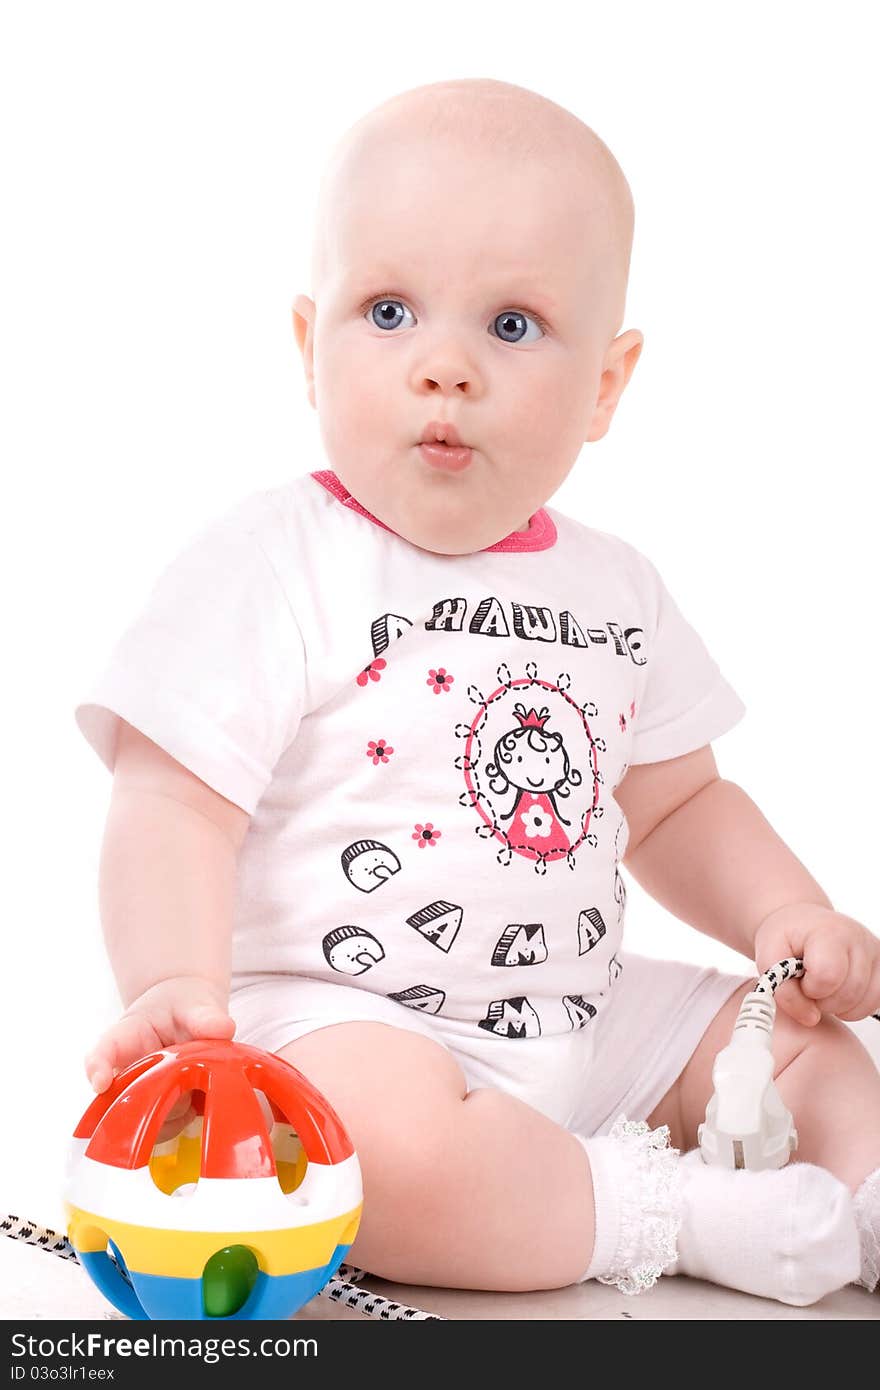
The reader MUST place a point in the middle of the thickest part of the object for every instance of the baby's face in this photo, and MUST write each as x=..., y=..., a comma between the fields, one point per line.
x=470, y=291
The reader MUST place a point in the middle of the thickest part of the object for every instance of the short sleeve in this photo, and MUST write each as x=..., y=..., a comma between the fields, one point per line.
x=686, y=702
x=212, y=669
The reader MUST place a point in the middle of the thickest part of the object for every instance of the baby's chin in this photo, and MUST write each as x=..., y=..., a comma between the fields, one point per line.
x=445, y=514
x=444, y=524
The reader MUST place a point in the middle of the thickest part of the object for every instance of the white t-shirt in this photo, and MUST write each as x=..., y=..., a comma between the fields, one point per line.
x=428, y=745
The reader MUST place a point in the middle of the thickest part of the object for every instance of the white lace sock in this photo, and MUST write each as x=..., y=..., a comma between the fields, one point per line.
x=785, y=1233
x=867, y=1208
x=636, y=1195
x=788, y=1234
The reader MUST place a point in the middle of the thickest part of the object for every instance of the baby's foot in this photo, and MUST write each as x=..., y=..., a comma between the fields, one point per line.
x=867, y=1208
x=788, y=1233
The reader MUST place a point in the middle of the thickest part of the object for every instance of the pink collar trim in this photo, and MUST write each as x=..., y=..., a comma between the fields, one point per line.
x=540, y=535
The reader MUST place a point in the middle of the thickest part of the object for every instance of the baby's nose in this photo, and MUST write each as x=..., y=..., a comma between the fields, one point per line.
x=447, y=383
x=445, y=366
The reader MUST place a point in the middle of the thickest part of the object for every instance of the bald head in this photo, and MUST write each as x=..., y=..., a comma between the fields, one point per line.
x=495, y=121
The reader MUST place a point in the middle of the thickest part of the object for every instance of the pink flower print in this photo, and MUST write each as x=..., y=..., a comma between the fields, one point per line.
x=632, y=709
x=371, y=672
x=426, y=835
x=379, y=751
x=439, y=679
x=622, y=723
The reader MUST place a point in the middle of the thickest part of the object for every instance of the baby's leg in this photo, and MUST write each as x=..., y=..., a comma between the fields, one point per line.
x=463, y=1190
x=831, y=1085
x=479, y=1190
x=824, y=1075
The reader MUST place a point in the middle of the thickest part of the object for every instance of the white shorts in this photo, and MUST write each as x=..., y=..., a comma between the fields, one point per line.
x=624, y=1063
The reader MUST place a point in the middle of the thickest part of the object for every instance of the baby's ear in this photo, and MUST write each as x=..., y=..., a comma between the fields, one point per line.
x=617, y=368
x=304, y=329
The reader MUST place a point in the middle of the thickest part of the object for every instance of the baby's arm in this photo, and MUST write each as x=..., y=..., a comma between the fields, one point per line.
x=701, y=847
x=167, y=883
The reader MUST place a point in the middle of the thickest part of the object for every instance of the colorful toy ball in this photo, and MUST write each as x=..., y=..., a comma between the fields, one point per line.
x=246, y=1213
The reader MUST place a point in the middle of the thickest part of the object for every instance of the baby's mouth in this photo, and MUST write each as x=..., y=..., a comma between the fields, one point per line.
x=452, y=459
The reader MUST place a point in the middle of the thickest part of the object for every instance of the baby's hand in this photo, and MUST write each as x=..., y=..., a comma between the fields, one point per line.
x=175, y=1010
x=841, y=962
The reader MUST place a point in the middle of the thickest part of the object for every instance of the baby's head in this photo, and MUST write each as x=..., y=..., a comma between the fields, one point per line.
x=470, y=265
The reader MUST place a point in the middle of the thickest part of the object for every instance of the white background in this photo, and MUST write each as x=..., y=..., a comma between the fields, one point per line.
x=160, y=165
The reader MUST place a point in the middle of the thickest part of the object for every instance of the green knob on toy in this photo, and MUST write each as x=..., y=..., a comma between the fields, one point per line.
x=228, y=1279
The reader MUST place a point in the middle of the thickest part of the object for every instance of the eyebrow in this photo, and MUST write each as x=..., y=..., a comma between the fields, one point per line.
x=535, y=291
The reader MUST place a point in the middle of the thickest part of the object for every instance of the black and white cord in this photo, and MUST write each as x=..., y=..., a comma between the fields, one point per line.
x=792, y=968
x=340, y=1289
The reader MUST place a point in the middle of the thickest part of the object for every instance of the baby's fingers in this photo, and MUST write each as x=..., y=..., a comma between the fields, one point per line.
x=868, y=1000
x=855, y=983
x=827, y=967
x=204, y=1021
x=127, y=1041
x=791, y=999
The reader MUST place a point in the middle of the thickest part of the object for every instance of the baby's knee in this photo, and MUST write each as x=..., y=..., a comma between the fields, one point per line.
x=795, y=1042
x=815, y=1064
x=397, y=1093
x=394, y=1090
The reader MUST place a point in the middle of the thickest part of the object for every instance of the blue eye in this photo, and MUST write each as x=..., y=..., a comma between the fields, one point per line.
x=388, y=313
x=511, y=326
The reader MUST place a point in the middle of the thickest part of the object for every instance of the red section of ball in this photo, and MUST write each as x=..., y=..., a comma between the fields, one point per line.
x=123, y=1122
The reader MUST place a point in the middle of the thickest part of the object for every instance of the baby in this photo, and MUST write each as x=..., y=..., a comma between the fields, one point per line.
x=383, y=737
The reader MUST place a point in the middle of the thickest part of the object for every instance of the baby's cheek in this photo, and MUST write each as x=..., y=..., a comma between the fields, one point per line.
x=345, y=387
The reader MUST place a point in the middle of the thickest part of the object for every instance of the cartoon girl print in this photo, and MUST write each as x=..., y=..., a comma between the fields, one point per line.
x=531, y=768
x=532, y=761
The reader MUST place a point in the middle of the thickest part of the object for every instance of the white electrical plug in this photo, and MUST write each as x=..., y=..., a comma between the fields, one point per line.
x=747, y=1125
